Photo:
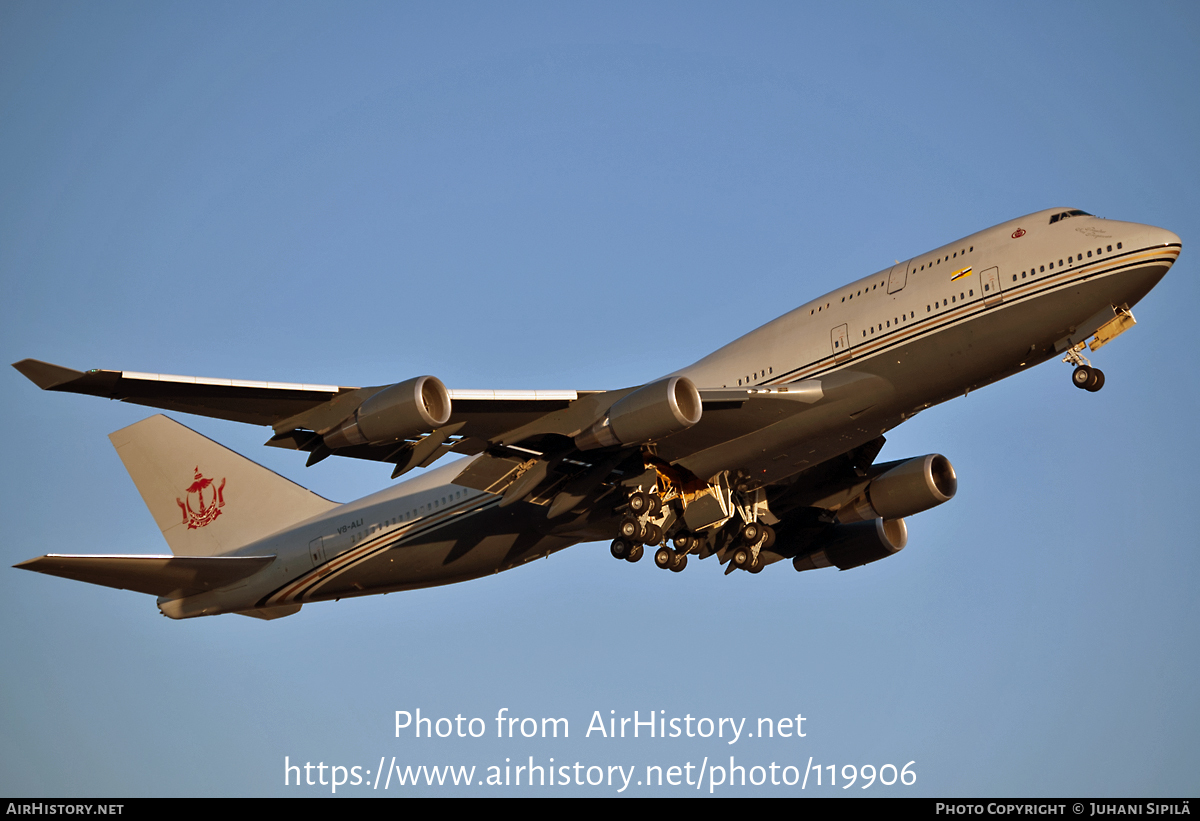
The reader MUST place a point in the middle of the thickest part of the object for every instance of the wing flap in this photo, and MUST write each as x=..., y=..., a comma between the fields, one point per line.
x=156, y=575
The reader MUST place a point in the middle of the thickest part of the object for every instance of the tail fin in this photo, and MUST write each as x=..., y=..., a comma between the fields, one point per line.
x=206, y=499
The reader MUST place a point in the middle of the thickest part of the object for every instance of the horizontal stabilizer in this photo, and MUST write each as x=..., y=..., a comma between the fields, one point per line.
x=157, y=575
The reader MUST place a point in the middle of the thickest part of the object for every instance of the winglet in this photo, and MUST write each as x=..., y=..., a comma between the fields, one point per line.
x=44, y=375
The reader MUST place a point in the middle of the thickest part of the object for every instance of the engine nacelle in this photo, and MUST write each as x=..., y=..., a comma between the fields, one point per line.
x=847, y=546
x=406, y=409
x=905, y=490
x=649, y=413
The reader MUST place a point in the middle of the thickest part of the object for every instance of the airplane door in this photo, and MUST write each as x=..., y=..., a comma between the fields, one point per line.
x=840, y=340
x=316, y=551
x=989, y=281
x=898, y=277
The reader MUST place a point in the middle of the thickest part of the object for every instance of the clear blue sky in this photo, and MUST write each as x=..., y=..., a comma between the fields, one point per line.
x=581, y=196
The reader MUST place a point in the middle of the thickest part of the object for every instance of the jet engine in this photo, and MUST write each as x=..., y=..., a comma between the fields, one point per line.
x=907, y=489
x=847, y=546
x=649, y=413
x=404, y=410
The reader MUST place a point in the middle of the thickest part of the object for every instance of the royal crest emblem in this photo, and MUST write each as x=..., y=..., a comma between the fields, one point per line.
x=1020, y=232
x=196, y=511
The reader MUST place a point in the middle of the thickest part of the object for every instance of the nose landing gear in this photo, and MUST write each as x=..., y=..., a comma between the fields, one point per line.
x=1084, y=376
x=1088, y=378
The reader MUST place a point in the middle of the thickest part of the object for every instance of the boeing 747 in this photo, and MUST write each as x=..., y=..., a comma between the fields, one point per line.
x=761, y=452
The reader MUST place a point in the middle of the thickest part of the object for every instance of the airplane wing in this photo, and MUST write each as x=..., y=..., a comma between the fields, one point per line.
x=299, y=412
x=564, y=434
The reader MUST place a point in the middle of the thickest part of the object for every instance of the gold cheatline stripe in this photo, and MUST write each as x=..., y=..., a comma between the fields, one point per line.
x=333, y=566
x=873, y=347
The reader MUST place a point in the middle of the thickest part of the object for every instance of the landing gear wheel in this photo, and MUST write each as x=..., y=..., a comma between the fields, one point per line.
x=631, y=530
x=768, y=537
x=639, y=503
x=680, y=563
x=742, y=557
x=655, y=504
x=751, y=533
x=653, y=534
x=664, y=557
x=620, y=549
x=684, y=542
x=635, y=553
x=1088, y=378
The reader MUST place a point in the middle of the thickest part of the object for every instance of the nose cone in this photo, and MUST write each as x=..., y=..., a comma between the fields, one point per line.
x=1167, y=237
x=1139, y=235
x=1152, y=235
x=1167, y=241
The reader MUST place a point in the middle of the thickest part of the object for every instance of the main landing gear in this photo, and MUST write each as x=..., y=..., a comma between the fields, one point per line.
x=740, y=539
x=645, y=524
x=639, y=527
x=753, y=538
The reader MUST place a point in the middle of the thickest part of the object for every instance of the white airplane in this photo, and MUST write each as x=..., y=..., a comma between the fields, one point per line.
x=760, y=452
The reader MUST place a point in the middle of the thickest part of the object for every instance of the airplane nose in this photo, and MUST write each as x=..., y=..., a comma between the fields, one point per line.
x=1169, y=237
x=1151, y=236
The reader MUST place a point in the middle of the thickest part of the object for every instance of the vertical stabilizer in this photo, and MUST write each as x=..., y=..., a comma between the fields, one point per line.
x=206, y=499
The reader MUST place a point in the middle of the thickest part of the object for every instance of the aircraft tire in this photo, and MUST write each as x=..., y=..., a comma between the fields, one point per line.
x=768, y=536
x=639, y=502
x=653, y=534
x=684, y=541
x=620, y=549
x=751, y=533
x=631, y=529
x=635, y=553
x=1082, y=377
x=680, y=563
x=742, y=557
x=1098, y=380
x=664, y=557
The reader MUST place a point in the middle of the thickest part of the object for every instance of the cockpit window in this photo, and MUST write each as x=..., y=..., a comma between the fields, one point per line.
x=1073, y=213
